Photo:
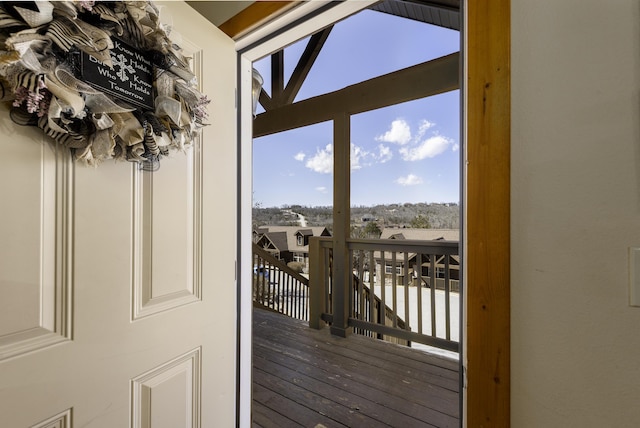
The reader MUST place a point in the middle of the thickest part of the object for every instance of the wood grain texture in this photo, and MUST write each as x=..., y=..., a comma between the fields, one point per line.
x=488, y=214
x=303, y=377
x=253, y=15
x=341, y=223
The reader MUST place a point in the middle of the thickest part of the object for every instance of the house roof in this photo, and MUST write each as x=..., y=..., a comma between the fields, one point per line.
x=286, y=235
x=277, y=239
x=305, y=232
x=421, y=234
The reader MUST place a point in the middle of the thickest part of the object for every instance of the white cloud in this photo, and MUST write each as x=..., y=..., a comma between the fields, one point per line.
x=400, y=133
x=384, y=153
x=322, y=161
x=358, y=157
x=322, y=189
x=425, y=125
x=409, y=180
x=414, y=148
x=429, y=148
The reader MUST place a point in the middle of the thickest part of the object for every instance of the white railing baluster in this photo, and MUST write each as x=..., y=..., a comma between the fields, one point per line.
x=447, y=297
x=394, y=297
x=407, y=317
x=419, y=290
x=432, y=289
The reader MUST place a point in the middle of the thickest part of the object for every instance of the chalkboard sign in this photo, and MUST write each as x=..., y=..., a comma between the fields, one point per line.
x=130, y=79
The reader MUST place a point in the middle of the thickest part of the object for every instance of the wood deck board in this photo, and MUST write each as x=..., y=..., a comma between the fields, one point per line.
x=387, y=348
x=408, y=385
x=285, y=410
x=389, y=357
x=306, y=377
x=396, y=403
x=320, y=401
x=264, y=417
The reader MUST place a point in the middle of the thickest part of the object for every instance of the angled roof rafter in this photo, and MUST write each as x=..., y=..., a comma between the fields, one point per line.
x=266, y=101
x=443, y=13
x=304, y=65
x=282, y=94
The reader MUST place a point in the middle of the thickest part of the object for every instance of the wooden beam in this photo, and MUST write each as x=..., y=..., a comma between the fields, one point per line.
x=277, y=77
x=341, y=224
x=265, y=100
x=308, y=57
x=255, y=14
x=488, y=214
x=420, y=81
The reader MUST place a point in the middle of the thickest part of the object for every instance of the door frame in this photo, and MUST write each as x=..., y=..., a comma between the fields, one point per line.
x=487, y=137
x=486, y=132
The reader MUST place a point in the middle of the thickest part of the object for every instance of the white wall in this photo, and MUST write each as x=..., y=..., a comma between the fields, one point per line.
x=575, y=211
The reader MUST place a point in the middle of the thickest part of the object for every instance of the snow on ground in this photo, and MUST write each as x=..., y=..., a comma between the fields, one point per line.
x=277, y=277
x=454, y=307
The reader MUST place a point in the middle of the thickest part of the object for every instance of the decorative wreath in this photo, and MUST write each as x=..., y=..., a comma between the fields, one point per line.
x=101, y=78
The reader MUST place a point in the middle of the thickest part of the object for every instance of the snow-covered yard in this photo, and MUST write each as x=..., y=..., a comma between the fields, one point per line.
x=454, y=308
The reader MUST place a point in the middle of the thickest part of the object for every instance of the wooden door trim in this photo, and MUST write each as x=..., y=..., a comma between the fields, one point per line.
x=488, y=91
x=254, y=15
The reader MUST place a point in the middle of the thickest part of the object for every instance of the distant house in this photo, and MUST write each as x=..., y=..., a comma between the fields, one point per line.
x=288, y=243
x=450, y=235
x=420, y=234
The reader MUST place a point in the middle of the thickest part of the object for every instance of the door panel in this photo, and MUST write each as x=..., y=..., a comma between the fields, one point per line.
x=117, y=286
x=35, y=248
x=167, y=221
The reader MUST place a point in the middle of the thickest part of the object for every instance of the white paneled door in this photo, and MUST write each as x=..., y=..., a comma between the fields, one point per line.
x=117, y=286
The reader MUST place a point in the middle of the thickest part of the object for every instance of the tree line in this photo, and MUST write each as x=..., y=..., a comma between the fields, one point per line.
x=366, y=221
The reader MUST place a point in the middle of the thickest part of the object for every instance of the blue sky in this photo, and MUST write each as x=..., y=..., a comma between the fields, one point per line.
x=403, y=153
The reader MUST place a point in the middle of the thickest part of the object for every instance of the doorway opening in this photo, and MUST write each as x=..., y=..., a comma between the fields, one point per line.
x=418, y=133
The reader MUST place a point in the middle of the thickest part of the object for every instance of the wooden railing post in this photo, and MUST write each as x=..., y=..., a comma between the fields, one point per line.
x=341, y=280
x=317, y=284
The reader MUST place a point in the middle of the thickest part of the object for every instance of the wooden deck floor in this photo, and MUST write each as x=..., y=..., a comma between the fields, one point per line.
x=305, y=377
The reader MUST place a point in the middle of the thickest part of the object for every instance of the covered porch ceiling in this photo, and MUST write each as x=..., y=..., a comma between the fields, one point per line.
x=232, y=16
x=443, y=13
x=433, y=77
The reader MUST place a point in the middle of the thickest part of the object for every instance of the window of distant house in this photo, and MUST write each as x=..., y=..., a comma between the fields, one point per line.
x=300, y=240
x=298, y=257
x=389, y=269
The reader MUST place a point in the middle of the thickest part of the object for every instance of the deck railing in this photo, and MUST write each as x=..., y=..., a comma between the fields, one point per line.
x=369, y=307
x=401, y=273
x=278, y=287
